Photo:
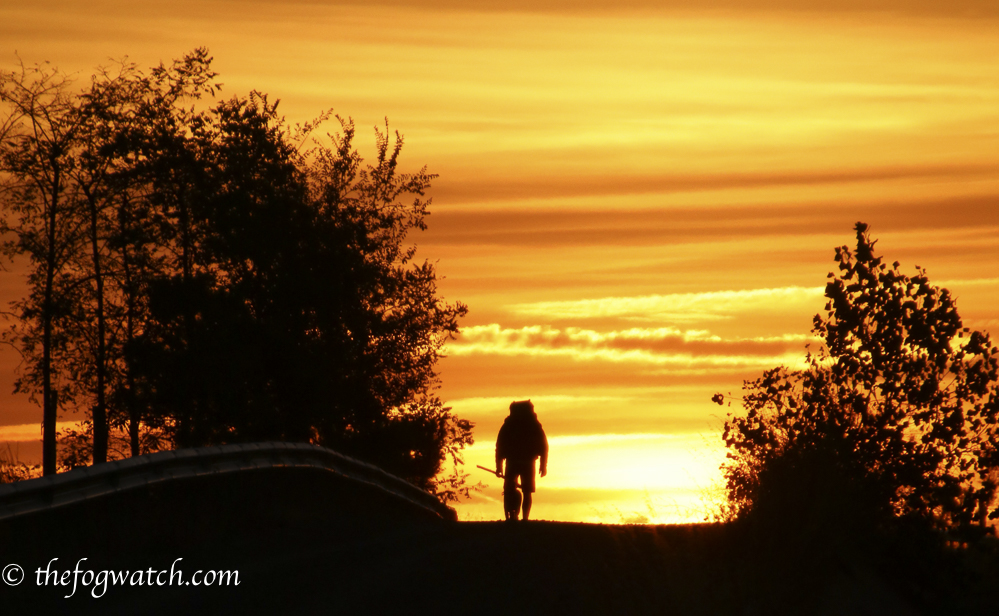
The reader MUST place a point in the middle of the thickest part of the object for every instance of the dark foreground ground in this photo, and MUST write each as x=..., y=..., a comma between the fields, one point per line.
x=304, y=544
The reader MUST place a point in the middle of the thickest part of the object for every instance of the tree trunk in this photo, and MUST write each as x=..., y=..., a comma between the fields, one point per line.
x=100, y=417
x=50, y=403
x=185, y=413
x=128, y=283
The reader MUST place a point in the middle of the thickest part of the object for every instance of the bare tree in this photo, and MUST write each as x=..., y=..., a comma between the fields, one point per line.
x=41, y=130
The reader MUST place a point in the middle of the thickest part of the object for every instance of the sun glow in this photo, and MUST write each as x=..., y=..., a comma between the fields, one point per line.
x=669, y=478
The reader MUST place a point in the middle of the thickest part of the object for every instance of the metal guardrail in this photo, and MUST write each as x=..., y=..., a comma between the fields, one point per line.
x=25, y=497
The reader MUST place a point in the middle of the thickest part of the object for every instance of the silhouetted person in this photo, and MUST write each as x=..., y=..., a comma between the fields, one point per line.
x=521, y=442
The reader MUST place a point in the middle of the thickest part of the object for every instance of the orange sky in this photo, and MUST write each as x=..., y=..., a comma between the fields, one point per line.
x=638, y=201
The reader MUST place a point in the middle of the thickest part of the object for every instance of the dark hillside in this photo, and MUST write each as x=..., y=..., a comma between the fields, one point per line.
x=308, y=541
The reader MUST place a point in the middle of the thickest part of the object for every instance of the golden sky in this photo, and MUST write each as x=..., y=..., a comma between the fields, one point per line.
x=638, y=200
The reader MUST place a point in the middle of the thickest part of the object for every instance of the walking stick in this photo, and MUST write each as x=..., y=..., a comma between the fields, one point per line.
x=497, y=473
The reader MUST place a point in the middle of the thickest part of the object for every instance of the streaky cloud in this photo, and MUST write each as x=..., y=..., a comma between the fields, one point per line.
x=953, y=8
x=487, y=189
x=693, y=349
x=683, y=307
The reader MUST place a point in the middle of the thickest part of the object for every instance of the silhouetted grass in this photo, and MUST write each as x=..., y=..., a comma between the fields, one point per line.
x=12, y=469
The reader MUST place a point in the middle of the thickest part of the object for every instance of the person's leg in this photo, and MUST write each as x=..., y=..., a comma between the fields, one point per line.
x=511, y=497
x=527, y=486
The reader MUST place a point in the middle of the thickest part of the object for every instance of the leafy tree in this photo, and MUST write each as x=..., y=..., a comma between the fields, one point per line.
x=896, y=416
x=396, y=324
x=147, y=116
x=125, y=112
x=297, y=312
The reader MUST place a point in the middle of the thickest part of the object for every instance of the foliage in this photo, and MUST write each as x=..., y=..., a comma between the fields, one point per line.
x=300, y=314
x=76, y=444
x=234, y=279
x=73, y=206
x=896, y=416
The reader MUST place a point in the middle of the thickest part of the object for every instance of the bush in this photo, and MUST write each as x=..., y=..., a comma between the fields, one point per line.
x=896, y=416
